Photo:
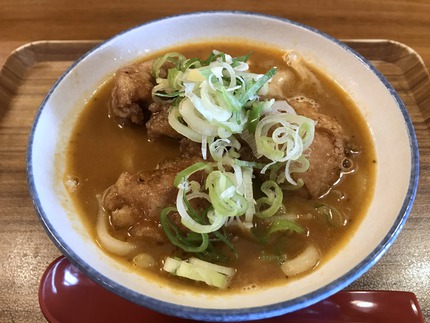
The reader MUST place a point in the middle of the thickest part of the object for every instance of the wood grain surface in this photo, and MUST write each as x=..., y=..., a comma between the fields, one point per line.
x=406, y=21
x=25, y=249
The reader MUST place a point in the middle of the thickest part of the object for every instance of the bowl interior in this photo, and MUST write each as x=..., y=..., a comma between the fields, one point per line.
x=386, y=116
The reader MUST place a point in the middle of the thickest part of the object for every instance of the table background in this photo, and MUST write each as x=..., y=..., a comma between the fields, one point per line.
x=23, y=21
x=407, y=21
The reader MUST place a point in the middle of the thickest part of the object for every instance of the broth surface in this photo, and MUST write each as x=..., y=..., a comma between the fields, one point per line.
x=100, y=151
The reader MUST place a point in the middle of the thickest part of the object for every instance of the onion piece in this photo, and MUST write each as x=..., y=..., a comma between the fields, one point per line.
x=144, y=260
x=305, y=261
x=204, y=264
x=184, y=130
x=199, y=270
x=249, y=195
x=225, y=198
x=273, y=199
x=280, y=106
x=194, y=120
x=216, y=220
x=283, y=138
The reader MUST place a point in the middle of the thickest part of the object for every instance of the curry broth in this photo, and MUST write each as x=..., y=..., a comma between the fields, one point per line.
x=100, y=151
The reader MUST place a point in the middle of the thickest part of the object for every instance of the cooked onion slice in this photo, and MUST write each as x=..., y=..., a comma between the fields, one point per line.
x=199, y=270
x=283, y=137
x=216, y=220
x=144, y=260
x=273, y=199
x=175, y=122
x=305, y=261
x=111, y=244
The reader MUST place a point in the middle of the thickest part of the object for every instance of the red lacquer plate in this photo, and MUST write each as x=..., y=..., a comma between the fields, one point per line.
x=67, y=295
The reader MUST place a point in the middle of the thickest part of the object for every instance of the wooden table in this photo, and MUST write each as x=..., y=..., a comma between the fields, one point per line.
x=25, y=250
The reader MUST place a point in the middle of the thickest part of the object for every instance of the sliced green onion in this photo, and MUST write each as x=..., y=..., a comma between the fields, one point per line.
x=273, y=199
x=212, y=58
x=187, y=172
x=280, y=137
x=177, y=238
x=191, y=63
x=228, y=271
x=217, y=89
x=224, y=197
x=242, y=59
x=204, y=104
x=249, y=195
x=213, y=100
x=245, y=163
x=250, y=139
x=229, y=99
x=171, y=264
x=283, y=137
x=173, y=57
x=282, y=224
x=254, y=117
x=170, y=95
x=224, y=149
x=252, y=91
x=216, y=219
x=195, y=121
x=223, y=238
x=174, y=119
x=290, y=187
x=198, y=270
x=300, y=165
x=333, y=216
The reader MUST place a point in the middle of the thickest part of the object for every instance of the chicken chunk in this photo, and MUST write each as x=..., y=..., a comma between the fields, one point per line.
x=190, y=149
x=132, y=100
x=325, y=157
x=158, y=125
x=132, y=92
x=326, y=152
x=135, y=201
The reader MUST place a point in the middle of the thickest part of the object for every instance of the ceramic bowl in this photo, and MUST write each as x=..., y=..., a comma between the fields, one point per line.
x=386, y=116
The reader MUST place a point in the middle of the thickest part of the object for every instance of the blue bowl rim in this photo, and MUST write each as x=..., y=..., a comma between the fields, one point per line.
x=242, y=314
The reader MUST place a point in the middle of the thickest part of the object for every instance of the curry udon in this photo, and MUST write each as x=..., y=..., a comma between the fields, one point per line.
x=181, y=166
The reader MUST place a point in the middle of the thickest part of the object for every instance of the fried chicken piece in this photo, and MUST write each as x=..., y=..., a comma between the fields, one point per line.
x=132, y=92
x=326, y=152
x=135, y=201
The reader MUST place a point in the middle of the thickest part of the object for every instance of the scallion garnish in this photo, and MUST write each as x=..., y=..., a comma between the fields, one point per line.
x=188, y=243
x=213, y=101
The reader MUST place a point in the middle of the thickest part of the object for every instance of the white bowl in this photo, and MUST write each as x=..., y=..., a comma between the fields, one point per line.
x=386, y=115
